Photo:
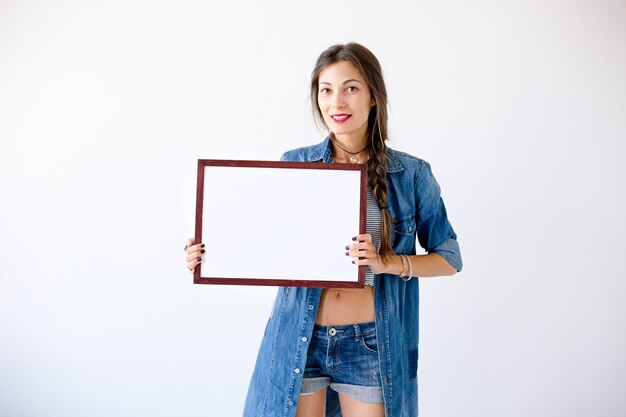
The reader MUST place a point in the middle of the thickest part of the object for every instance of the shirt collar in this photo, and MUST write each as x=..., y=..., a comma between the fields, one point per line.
x=323, y=152
x=393, y=163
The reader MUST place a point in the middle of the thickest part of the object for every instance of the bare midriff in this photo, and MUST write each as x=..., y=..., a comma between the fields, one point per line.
x=339, y=306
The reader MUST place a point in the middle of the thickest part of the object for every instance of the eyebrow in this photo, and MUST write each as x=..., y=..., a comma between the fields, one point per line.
x=345, y=82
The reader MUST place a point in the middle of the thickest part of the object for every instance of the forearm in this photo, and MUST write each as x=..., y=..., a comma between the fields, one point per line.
x=432, y=264
x=427, y=265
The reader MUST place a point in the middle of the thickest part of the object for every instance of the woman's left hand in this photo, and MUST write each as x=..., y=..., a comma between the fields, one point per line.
x=364, y=253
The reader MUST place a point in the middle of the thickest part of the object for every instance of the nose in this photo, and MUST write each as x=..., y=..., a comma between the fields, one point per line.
x=337, y=102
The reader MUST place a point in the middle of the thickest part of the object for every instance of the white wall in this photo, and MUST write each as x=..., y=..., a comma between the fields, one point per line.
x=105, y=106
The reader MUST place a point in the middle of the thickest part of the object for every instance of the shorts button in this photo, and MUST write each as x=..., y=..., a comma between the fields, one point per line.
x=332, y=331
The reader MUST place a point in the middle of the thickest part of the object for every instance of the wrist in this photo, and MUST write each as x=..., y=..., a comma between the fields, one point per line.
x=402, y=266
x=395, y=265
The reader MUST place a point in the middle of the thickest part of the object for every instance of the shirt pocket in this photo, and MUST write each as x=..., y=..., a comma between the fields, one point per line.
x=404, y=234
x=405, y=225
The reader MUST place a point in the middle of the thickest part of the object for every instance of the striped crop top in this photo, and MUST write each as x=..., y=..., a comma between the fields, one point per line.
x=373, y=228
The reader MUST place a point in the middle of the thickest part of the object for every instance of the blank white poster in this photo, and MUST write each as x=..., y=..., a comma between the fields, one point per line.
x=280, y=223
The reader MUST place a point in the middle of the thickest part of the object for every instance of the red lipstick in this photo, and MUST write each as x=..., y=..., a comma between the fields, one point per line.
x=340, y=118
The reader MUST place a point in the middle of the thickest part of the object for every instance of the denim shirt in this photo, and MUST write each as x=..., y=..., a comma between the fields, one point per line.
x=416, y=207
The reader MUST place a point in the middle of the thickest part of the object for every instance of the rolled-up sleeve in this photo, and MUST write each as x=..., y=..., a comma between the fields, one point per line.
x=450, y=251
x=434, y=231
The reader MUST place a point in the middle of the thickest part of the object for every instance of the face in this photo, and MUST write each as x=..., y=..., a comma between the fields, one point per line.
x=345, y=101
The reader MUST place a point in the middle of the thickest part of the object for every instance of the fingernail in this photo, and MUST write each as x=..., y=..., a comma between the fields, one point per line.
x=185, y=248
x=347, y=253
x=352, y=261
x=202, y=245
x=347, y=247
x=199, y=259
x=354, y=238
x=202, y=251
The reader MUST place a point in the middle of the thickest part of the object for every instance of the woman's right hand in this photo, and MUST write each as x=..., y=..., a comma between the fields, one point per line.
x=193, y=255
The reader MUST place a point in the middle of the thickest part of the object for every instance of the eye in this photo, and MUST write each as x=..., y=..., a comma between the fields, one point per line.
x=352, y=89
x=324, y=90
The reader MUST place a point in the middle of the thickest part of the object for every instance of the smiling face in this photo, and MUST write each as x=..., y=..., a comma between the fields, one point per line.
x=345, y=101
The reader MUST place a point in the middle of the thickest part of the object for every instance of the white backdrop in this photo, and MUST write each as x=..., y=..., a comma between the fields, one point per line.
x=105, y=106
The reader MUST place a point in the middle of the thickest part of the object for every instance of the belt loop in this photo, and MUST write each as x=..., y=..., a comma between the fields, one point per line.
x=357, y=332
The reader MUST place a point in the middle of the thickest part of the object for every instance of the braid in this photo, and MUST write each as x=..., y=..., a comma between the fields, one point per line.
x=377, y=173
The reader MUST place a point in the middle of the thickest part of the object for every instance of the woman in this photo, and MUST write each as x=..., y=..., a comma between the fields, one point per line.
x=353, y=352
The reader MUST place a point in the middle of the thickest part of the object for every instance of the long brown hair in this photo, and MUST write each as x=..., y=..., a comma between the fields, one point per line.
x=367, y=64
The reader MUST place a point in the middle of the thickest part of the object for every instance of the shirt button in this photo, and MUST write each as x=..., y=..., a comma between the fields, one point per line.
x=297, y=370
x=304, y=339
x=289, y=402
x=311, y=307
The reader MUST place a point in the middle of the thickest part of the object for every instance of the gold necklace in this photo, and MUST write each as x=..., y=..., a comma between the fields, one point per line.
x=352, y=158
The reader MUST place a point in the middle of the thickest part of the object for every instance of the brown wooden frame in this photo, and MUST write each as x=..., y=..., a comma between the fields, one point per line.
x=295, y=282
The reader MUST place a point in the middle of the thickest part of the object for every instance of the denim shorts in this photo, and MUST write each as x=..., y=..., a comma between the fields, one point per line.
x=346, y=359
